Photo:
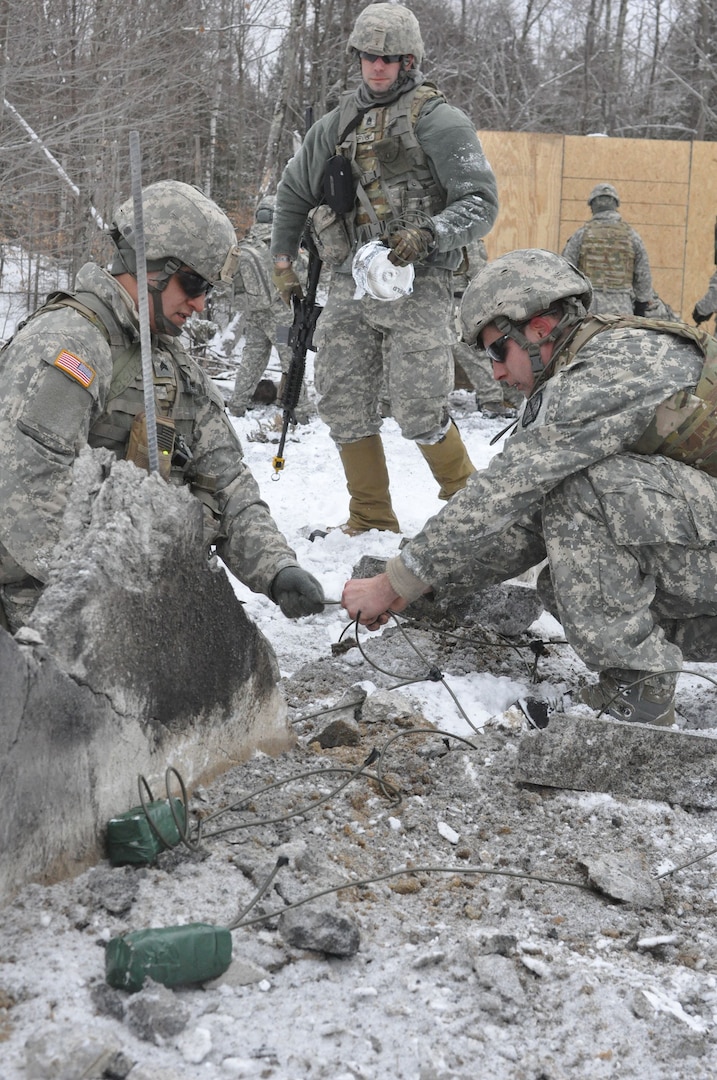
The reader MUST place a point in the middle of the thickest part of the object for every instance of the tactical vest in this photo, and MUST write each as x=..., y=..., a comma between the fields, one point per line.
x=174, y=388
x=254, y=273
x=392, y=173
x=607, y=256
x=684, y=426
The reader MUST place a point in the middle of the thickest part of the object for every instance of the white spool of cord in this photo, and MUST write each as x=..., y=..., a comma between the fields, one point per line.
x=376, y=276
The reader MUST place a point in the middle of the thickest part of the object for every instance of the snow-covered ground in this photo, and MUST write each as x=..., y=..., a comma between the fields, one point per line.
x=459, y=974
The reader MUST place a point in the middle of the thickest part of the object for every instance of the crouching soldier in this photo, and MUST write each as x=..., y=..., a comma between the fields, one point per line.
x=72, y=376
x=611, y=475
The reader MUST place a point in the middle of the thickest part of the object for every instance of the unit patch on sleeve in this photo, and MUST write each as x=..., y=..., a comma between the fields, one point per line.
x=76, y=368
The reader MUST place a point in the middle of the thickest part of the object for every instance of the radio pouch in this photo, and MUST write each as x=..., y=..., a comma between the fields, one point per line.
x=339, y=189
x=339, y=186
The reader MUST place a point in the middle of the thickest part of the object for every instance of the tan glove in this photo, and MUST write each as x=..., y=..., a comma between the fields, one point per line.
x=287, y=283
x=410, y=244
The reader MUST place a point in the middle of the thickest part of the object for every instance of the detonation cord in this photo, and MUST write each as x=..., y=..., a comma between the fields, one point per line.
x=405, y=871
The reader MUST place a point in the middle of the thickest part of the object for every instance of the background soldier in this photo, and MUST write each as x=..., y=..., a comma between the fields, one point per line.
x=402, y=165
x=72, y=376
x=707, y=306
x=623, y=512
x=613, y=256
x=492, y=399
x=262, y=311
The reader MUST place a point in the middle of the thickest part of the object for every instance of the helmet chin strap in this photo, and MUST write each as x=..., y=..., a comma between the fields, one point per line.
x=533, y=348
x=156, y=288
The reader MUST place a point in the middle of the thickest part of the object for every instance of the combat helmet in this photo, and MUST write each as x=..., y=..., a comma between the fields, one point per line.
x=264, y=213
x=604, y=191
x=510, y=290
x=387, y=29
x=182, y=227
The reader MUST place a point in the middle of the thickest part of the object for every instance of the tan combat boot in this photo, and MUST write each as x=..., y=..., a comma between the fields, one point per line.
x=367, y=482
x=449, y=462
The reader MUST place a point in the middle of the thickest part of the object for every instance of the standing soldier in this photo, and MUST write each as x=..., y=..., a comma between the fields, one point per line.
x=611, y=253
x=491, y=397
x=72, y=377
x=393, y=161
x=262, y=311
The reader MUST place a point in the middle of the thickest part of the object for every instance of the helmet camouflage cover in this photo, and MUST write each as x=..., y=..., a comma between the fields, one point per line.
x=264, y=212
x=604, y=190
x=386, y=30
x=180, y=223
x=519, y=285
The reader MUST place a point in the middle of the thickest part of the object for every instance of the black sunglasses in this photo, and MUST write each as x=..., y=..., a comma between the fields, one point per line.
x=392, y=58
x=192, y=284
x=496, y=350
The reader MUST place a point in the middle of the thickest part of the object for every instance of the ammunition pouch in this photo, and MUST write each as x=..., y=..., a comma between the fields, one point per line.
x=330, y=235
x=138, y=449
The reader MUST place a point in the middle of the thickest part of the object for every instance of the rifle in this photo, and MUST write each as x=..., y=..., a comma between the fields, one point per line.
x=300, y=336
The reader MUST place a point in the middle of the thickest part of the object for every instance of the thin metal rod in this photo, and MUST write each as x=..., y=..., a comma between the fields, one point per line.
x=145, y=341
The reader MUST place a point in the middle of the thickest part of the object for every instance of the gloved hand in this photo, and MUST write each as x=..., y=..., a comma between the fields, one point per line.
x=697, y=318
x=297, y=592
x=410, y=243
x=639, y=307
x=287, y=283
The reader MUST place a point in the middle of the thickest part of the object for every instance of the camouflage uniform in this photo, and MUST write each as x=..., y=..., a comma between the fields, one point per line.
x=418, y=330
x=262, y=312
x=491, y=396
x=612, y=255
x=631, y=539
x=64, y=386
x=707, y=306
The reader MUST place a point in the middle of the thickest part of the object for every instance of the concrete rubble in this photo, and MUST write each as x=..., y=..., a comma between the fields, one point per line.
x=138, y=657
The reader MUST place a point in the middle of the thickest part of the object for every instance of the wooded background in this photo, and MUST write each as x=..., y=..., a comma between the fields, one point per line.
x=219, y=91
x=667, y=189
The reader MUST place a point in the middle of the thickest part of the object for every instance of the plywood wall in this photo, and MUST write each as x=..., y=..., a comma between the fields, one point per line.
x=668, y=192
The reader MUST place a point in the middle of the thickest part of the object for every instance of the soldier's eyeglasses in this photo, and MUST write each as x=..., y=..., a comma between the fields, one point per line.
x=392, y=58
x=192, y=284
x=496, y=350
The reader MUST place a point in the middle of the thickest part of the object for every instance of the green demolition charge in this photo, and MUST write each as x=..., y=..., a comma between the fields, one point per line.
x=172, y=955
x=131, y=839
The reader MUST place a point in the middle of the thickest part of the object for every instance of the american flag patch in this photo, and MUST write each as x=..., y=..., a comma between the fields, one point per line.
x=75, y=367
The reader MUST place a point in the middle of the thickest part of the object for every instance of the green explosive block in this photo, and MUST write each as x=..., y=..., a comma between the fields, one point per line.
x=131, y=838
x=173, y=956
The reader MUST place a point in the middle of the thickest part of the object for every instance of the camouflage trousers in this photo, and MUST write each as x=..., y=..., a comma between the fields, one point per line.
x=404, y=345
x=19, y=592
x=259, y=336
x=632, y=548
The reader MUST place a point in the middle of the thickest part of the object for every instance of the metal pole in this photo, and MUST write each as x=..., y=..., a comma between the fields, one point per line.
x=145, y=341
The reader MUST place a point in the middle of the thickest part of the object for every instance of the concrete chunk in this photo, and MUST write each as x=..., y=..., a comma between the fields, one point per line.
x=137, y=657
x=636, y=760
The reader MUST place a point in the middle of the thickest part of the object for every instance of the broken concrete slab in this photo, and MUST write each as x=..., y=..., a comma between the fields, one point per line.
x=625, y=875
x=138, y=657
x=585, y=753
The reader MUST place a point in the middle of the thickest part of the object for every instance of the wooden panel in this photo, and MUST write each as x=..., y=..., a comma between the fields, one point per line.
x=668, y=192
x=627, y=163
x=699, y=260
x=528, y=168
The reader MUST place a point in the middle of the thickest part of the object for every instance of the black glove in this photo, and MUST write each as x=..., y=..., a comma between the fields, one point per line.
x=698, y=318
x=410, y=244
x=640, y=307
x=297, y=592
